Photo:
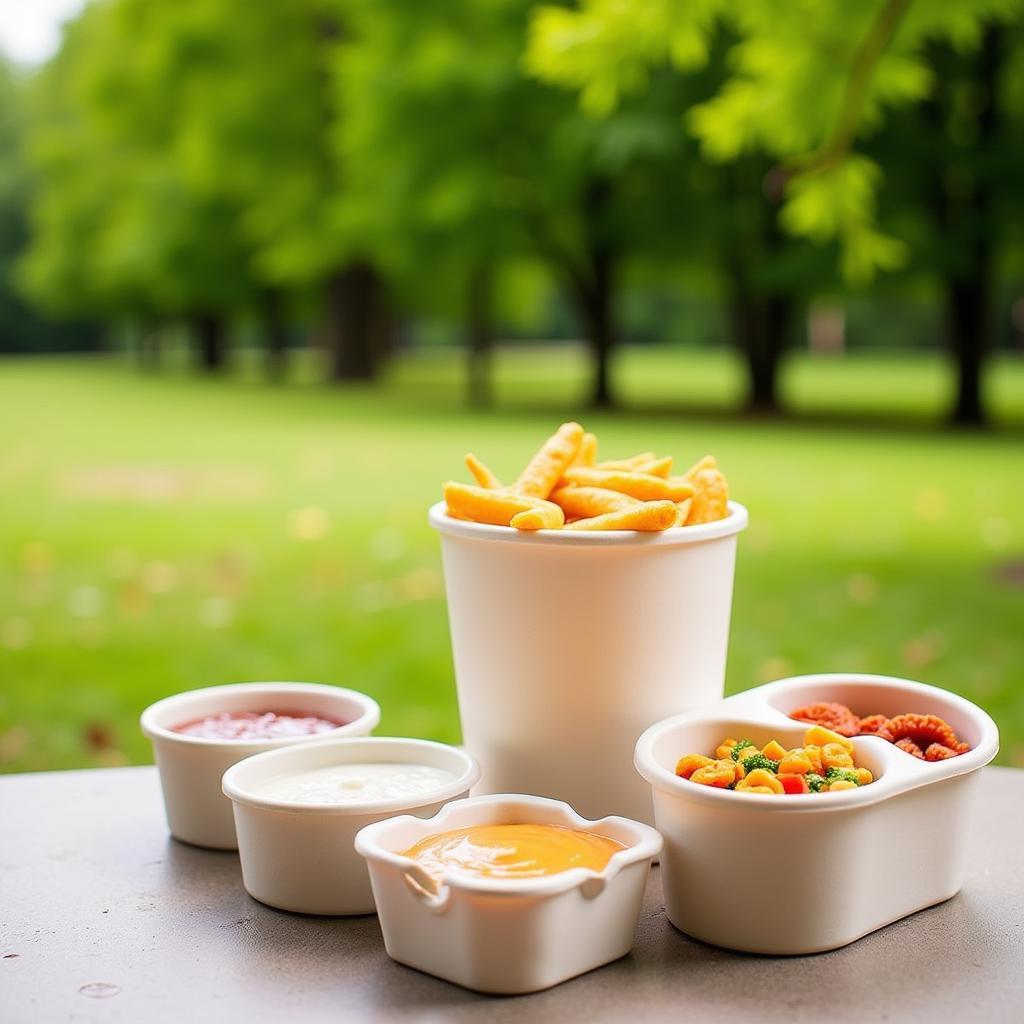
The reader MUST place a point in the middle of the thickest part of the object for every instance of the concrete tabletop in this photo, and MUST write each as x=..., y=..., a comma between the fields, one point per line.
x=104, y=918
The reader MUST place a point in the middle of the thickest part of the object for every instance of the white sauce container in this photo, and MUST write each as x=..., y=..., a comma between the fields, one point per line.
x=803, y=874
x=499, y=935
x=191, y=766
x=301, y=856
x=567, y=645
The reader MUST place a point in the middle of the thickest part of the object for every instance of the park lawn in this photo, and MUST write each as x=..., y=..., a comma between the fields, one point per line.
x=162, y=532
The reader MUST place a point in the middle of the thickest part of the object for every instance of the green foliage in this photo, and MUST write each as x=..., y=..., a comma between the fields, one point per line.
x=805, y=79
x=119, y=224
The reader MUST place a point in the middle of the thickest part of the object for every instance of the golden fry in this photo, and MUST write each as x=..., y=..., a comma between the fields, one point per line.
x=545, y=469
x=656, y=467
x=482, y=505
x=631, y=463
x=649, y=516
x=636, y=485
x=642, y=486
x=707, y=462
x=543, y=517
x=584, y=502
x=587, y=455
x=484, y=477
x=710, y=497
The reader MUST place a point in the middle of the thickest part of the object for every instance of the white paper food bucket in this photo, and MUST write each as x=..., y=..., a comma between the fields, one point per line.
x=567, y=646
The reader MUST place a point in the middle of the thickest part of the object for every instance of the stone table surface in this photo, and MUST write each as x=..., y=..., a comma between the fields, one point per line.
x=103, y=917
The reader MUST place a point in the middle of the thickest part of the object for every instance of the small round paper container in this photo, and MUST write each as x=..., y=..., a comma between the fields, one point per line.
x=807, y=873
x=191, y=767
x=507, y=936
x=301, y=856
x=567, y=645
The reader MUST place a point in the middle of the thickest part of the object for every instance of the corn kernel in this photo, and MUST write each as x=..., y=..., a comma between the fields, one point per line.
x=687, y=765
x=759, y=778
x=721, y=774
x=835, y=756
x=813, y=754
x=818, y=735
x=724, y=749
x=796, y=762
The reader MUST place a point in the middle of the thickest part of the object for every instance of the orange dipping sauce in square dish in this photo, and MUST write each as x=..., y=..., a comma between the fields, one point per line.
x=513, y=851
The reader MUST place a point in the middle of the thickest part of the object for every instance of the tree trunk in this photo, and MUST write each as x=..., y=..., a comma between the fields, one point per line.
x=357, y=326
x=969, y=294
x=211, y=341
x=275, y=328
x=759, y=325
x=481, y=335
x=597, y=298
x=596, y=313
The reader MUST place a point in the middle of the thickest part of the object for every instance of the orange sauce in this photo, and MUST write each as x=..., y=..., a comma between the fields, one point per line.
x=513, y=851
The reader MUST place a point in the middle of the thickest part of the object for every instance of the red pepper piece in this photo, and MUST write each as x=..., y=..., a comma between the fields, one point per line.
x=792, y=784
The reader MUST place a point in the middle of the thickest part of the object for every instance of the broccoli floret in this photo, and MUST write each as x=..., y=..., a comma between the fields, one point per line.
x=814, y=782
x=740, y=745
x=842, y=775
x=758, y=760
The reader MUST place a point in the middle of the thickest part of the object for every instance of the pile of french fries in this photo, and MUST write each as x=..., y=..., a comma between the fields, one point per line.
x=564, y=487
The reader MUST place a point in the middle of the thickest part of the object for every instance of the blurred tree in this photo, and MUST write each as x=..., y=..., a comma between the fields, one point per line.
x=21, y=329
x=118, y=228
x=261, y=115
x=954, y=167
x=805, y=80
x=460, y=163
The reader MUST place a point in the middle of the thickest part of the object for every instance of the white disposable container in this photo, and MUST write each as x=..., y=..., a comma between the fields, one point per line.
x=191, y=766
x=568, y=645
x=507, y=936
x=300, y=856
x=803, y=874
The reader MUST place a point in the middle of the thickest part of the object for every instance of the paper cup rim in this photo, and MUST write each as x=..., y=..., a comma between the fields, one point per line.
x=733, y=523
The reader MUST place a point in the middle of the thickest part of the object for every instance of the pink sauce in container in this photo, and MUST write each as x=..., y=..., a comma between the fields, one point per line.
x=198, y=735
x=258, y=725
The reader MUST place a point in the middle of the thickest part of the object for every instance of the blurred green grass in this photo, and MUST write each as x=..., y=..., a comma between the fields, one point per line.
x=161, y=532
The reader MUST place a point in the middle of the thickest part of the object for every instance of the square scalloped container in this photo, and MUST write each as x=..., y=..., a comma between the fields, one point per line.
x=809, y=873
x=507, y=936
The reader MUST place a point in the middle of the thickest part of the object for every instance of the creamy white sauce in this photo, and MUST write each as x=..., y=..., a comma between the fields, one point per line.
x=356, y=783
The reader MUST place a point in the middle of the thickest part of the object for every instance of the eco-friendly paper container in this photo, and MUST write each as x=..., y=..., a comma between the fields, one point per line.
x=500, y=935
x=300, y=856
x=803, y=874
x=568, y=645
x=191, y=766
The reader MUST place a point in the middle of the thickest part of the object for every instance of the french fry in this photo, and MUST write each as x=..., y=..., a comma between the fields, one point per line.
x=545, y=469
x=631, y=463
x=482, y=505
x=642, y=486
x=585, y=502
x=710, y=497
x=543, y=517
x=656, y=467
x=484, y=477
x=706, y=462
x=564, y=485
x=587, y=454
x=648, y=516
